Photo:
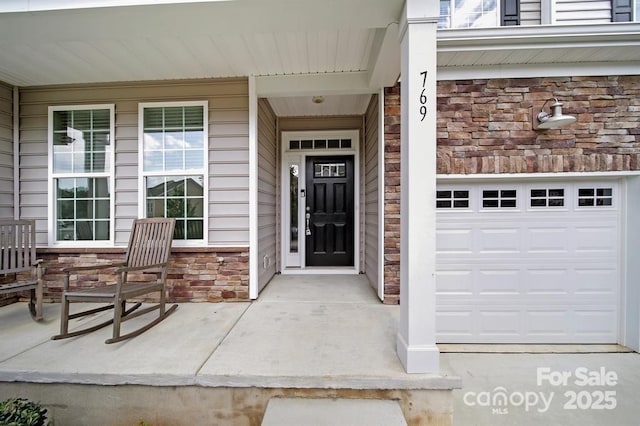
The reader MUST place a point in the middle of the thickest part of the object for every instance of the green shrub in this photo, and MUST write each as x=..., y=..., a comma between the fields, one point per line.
x=22, y=412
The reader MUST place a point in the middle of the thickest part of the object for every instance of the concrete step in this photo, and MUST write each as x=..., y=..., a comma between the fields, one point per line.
x=331, y=412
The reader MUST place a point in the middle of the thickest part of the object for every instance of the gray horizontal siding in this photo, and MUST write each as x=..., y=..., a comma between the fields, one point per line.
x=530, y=12
x=267, y=203
x=228, y=143
x=6, y=151
x=583, y=11
x=371, y=182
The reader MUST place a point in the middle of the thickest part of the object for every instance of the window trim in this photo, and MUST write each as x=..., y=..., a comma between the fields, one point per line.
x=142, y=199
x=51, y=176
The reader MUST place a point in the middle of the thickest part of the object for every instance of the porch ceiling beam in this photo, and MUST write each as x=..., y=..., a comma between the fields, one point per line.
x=384, y=65
x=352, y=83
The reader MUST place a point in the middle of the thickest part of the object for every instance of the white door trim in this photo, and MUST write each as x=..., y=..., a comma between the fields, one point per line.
x=299, y=156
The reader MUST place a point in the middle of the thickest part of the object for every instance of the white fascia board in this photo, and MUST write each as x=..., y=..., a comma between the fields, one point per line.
x=346, y=83
x=583, y=69
x=484, y=38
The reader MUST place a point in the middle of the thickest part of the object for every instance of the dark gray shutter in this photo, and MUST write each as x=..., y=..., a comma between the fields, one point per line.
x=511, y=12
x=621, y=10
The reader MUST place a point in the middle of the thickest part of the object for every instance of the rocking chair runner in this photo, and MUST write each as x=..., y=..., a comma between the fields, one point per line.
x=148, y=252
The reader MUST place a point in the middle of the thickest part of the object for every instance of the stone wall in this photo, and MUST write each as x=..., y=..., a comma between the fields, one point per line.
x=392, y=195
x=485, y=126
x=194, y=275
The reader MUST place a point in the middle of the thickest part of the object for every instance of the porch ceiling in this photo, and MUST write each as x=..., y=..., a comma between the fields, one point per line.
x=341, y=49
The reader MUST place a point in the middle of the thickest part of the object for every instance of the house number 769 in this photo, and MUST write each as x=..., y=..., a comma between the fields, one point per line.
x=423, y=97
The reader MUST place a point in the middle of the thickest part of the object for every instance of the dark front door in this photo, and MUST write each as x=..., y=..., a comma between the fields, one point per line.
x=329, y=209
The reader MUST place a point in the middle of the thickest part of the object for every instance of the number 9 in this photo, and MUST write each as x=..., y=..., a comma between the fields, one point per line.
x=423, y=111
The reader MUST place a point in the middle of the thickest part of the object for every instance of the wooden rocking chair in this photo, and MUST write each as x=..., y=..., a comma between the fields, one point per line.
x=148, y=252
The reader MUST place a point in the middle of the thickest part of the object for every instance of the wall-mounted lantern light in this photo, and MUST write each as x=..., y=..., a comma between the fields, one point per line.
x=543, y=120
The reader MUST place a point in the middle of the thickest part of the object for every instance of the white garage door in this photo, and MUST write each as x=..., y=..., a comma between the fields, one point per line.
x=534, y=262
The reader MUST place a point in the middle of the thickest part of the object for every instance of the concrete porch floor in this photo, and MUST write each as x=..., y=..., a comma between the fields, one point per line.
x=306, y=336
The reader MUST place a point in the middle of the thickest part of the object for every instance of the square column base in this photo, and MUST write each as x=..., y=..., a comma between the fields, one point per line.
x=418, y=359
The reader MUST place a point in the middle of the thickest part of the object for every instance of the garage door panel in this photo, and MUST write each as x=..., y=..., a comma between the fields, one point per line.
x=596, y=281
x=546, y=322
x=454, y=241
x=596, y=239
x=547, y=240
x=498, y=281
x=528, y=275
x=596, y=321
x=546, y=282
x=499, y=240
x=459, y=282
x=500, y=322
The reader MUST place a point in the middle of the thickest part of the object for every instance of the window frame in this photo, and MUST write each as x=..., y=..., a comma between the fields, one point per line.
x=52, y=177
x=204, y=172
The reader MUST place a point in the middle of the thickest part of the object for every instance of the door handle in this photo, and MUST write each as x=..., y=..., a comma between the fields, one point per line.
x=307, y=217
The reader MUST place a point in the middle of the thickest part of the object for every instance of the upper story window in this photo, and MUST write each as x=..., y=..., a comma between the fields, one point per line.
x=81, y=173
x=173, y=159
x=468, y=13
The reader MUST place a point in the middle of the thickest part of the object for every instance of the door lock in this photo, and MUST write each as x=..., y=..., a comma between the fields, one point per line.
x=307, y=217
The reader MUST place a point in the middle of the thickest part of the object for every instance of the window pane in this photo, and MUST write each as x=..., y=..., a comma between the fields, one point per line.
x=174, y=160
x=173, y=117
x=193, y=159
x=490, y=194
x=194, y=229
x=293, y=208
x=152, y=118
x=195, y=186
x=461, y=204
x=194, y=139
x=102, y=230
x=193, y=116
x=443, y=204
x=80, y=202
x=195, y=207
x=175, y=207
x=490, y=203
x=604, y=192
x=443, y=194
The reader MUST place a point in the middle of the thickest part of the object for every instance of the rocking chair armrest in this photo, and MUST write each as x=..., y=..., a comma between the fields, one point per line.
x=140, y=268
x=92, y=267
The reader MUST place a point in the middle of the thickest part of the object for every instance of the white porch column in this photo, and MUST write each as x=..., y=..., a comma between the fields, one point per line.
x=416, y=343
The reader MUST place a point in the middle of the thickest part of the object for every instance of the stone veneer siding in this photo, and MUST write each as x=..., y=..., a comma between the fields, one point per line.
x=485, y=126
x=194, y=275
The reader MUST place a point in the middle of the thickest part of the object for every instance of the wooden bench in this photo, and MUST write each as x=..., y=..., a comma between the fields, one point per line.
x=17, y=259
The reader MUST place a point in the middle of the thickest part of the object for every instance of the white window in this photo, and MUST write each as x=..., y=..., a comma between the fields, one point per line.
x=468, y=13
x=547, y=197
x=173, y=162
x=595, y=197
x=452, y=199
x=81, y=174
x=499, y=199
